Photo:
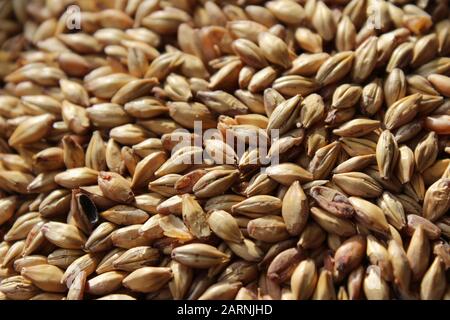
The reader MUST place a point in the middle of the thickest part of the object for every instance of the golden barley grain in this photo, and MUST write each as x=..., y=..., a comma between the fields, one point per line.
x=320, y=171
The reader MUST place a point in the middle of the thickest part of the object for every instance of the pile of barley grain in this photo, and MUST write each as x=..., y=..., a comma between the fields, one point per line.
x=99, y=200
